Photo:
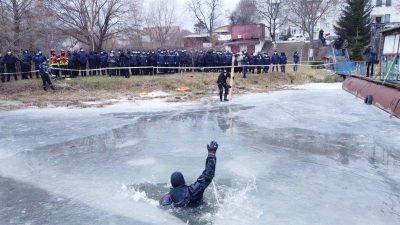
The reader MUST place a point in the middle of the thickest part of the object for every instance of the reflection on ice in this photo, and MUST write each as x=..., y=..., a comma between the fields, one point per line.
x=315, y=155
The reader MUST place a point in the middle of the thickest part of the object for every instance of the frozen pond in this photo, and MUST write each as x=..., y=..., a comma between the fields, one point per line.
x=315, y=155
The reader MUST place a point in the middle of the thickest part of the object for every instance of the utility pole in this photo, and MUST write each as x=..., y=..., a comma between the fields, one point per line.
x=231, y=79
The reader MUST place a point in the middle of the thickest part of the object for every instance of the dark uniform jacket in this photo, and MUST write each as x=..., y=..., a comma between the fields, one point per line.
x=222, y=79
x=10, y=61
x=103, y=59
x=39, y=59
x=26, y=59
x=191, y=196
x=275, y=59
x=283, y=59
x=296, y=58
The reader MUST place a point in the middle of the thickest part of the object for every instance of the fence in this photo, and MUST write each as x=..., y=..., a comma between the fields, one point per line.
x=390, y=68
x=346, y=68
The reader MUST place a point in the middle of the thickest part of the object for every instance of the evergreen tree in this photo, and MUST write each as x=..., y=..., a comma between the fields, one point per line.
x=354, y=25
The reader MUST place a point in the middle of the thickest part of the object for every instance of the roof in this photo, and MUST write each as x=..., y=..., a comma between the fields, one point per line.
x=248, y=42
x=223, y=29
x=390, y=29
x=197, y=36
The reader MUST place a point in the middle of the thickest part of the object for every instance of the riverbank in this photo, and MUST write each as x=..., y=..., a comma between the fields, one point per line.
x=98, y=91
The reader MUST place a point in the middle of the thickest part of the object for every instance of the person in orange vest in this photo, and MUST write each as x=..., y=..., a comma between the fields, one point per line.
x=63, y=64
x=53, y=62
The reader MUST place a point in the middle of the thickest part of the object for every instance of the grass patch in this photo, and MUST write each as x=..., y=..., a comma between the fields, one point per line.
x=77, y=91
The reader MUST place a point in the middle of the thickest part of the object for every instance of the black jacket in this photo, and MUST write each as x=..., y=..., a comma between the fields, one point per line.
x=222, y=78
x=191, y=196
x=1, y=65
x=10, y=61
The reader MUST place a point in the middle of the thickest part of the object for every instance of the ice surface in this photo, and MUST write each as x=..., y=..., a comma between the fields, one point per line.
x=313, y=155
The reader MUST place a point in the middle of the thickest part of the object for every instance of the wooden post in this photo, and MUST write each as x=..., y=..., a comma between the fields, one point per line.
x=231, y=79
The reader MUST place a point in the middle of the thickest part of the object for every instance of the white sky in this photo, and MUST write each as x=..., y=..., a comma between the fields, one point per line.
x=186, y=21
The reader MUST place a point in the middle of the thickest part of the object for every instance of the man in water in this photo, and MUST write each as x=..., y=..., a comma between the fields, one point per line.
x=181, y=195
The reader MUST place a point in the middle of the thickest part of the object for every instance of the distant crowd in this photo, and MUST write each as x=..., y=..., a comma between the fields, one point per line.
x=126, y=63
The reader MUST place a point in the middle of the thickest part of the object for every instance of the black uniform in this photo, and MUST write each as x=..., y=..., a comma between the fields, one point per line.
x=223, y=85
x=74, y=64
x=10, y=60
x=3, y=76
x=153, y=62
x=182, y=195
x=133, y=62
x=200, y=60
x=161, y=62
x=124, y=63
x=82, y=58
x=143, y=63
x=26, y=65
x=38, y=59
x=92, y=63
x=113, y=62
x=103, y=62
x=208, y=60
x=266, y=63
x=258, y=60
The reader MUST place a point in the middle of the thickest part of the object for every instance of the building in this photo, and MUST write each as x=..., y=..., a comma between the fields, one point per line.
x=247, y=37
x=197, y=41
x=234, y=38
x=385, y=13
x=390, y=54
x=223, y=34
x=383, y=93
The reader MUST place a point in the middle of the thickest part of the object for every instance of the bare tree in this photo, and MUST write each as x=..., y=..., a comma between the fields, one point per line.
x=42, y=32
x=91, y=22
x=134, y=23
x=271, y=12
x=245, y=13
x=305, y=14
x=15, y=16
x=233, y=17
x=199, y=28
x=206, y=13
x=160, y=21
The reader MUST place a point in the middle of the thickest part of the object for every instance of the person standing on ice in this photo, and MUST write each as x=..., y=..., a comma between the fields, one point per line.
x=223, y=85
x=182, y=195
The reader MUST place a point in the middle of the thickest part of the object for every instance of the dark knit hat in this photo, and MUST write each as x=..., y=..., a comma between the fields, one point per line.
x=177, y=179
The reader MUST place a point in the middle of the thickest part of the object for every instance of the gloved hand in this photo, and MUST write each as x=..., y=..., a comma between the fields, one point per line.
x=212, y=147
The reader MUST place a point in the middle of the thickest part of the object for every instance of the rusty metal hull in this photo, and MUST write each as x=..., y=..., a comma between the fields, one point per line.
x=384, y=97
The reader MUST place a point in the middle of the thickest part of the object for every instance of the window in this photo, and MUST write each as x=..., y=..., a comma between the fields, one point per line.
x=387, y=18
x=378, y=19
x=378, y=3
x=388, y=2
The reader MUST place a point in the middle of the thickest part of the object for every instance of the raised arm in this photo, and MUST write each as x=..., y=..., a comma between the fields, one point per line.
x=197, y=188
